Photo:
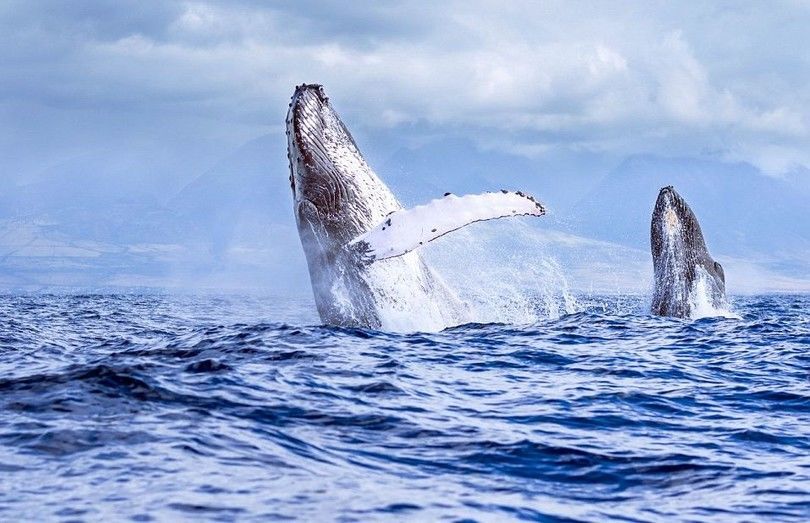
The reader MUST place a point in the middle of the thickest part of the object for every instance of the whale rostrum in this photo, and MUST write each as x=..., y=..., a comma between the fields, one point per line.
x=361, y=245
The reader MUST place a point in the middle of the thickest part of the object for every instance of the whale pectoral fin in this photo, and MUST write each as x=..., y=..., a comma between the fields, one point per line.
x=407, y=229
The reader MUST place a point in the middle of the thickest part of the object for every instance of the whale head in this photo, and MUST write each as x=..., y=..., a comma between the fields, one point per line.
x=336, y=194
x=680, y=257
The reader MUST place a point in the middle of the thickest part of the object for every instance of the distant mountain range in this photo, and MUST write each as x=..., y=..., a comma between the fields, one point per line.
x=740, y=209
x=80, y=225
x=743, y=213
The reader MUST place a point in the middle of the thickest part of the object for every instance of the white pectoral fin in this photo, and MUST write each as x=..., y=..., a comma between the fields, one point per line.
x=407, y=229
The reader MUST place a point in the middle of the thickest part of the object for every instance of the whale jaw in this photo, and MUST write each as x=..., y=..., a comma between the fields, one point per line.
x=681, y=261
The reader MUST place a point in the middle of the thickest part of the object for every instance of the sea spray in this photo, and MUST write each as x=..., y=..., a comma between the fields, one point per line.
x=504, y=272
x=703, y=299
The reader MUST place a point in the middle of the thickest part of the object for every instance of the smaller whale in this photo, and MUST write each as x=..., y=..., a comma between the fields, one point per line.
x=685, y=273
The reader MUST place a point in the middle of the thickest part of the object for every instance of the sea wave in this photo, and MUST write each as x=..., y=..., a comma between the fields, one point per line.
x=244, y=408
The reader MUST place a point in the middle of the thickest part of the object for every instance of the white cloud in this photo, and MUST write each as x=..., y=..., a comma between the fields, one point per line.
x=622, y=79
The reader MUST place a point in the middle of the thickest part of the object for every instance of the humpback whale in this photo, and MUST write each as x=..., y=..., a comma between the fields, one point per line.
x=360, y=244
x=684, y=270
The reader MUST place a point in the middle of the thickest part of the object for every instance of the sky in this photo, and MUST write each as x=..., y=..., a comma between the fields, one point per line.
x=194, y=79
x=159, y=92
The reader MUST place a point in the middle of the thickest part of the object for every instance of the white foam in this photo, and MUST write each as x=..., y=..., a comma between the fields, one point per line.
x=404, y=301
x=503, y=272
x=702, y=302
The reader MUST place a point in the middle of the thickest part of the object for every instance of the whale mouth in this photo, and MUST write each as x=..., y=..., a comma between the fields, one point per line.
x=668, y=198
x=307, y=97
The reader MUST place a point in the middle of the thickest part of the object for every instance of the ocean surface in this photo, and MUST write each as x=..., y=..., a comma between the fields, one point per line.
x=143, y=407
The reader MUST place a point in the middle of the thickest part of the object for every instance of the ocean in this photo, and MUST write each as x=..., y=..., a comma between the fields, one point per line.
x=163, y=408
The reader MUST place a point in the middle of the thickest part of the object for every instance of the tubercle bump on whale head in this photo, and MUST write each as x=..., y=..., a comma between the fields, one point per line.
x=300, y=90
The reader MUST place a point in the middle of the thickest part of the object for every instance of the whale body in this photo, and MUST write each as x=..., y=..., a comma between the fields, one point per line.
x=359, y=242
x=685, y=273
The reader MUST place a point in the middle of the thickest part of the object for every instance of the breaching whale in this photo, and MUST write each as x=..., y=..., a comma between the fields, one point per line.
x=359, y=242
x=685, y=273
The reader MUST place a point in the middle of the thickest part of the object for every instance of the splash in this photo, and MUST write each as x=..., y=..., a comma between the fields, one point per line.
x=503, y=274
x=413, y=297
x=703, y=301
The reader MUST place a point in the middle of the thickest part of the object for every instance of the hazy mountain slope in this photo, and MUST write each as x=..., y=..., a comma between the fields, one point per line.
x=742, y=212
x=456, y=165
x=232, y=227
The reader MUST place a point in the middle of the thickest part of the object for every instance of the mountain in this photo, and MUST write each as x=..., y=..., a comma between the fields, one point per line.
x=241, y=209
x=418, y=174
x=240, y=196
x=459, y=166
x=87, y=223
x=742, y=212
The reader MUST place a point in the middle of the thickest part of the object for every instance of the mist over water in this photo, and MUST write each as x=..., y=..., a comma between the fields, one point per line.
x=234, y=408
x=513, y=272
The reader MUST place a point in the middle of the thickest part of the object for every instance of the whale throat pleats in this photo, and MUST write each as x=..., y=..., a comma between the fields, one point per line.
x=407, y=229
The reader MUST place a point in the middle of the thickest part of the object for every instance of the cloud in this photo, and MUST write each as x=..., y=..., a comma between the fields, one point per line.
x=615, y=78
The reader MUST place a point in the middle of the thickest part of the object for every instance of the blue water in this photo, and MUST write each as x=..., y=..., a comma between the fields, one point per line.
x=227, y=408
